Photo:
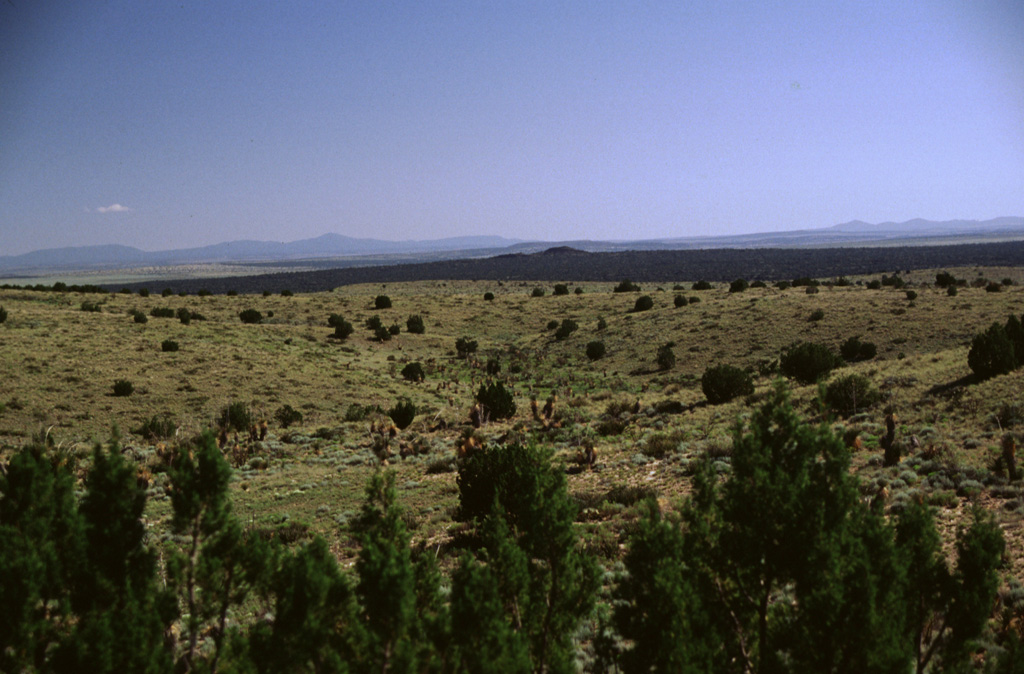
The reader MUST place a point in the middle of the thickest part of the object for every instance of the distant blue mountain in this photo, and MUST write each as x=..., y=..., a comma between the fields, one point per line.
x=854, y=233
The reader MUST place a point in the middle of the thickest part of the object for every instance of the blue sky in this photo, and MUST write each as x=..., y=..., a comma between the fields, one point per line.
x=165, y=125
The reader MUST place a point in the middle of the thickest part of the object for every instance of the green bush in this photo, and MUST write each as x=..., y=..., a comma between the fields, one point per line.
x=561, y=289
x=414, y=325
x=232, y=293
x=595, y=350
x=123, y=388
x=579, y=290
x=382, y=302
x=156, y=428
x=701, y=285
x=286, y=293
x=143, y=292
x=496, y=400
x=567, y=327
x=236, y=416
x=3, y=314
x=853, y=350
x=184, y=315
x=342, y=329
x=465, y=346
x=951, y=291
x=493, y=367
x=739, y=285
x=666, y=357
x=381, y=334
x=286, y=415
x=251, y=316
x=601, y=323
x=92, y=307
x=807, y=362
x=161, y=312
x=413, y=372
x=552, y=324
x=395, y=329
x=166, y=292
x=680, y=301
x=403, y=413
x=537, y=292
x=168, y=345
x=945, y=280
x=374, y=323
x=626, y=286
x=489, y=296
x=817, y=315
x=203, y=292
x=851, y=394
x=911, y=295
x=722, y=383
x=643, y=303
x=992, y=353
x=811, y=290
x=137, y=316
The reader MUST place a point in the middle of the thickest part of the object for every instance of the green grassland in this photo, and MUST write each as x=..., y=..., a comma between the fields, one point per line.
x=59, y=364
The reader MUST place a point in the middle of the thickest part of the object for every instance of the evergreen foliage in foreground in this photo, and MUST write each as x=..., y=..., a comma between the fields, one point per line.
x=780, y=567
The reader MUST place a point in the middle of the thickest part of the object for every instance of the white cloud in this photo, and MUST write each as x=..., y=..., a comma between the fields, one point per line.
x=113, y=208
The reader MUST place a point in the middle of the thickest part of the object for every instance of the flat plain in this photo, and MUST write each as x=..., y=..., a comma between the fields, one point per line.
x=647, y=425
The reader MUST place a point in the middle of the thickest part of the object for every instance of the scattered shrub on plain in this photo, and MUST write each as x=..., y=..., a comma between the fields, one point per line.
x=807, y=362
x=123, y=388
x=567, y=327
x=413, y=372
x=168, y=345
x=851, y=394
x=816, y=315
x=157, y=428
x=497, y=401
x=489, y=296
x=414, y=325
x=701, y=285
x=403, y=413
x=853, y=350
x=465, y=346
x=666, y=357
x=680, y=301
x=537, y=292
x=626, y=286
x=382, y=302
x=739, y=285
x=561, y=289
x=287, y=415
x=236, y=416
x=722, y=383
x=643, y=303
x=595, y=350
x=250, y=316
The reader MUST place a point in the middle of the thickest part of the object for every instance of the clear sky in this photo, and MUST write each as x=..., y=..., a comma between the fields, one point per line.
x=165, y=125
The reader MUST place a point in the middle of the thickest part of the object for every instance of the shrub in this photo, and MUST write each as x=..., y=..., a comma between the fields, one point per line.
x=184, y=315
x=286, y=415
x=807, y=362
x=853, y=350
x=168, y=345
x=601, y=323
x=701, y=285
x=489, y=296
x=266, y=293
x=911, y=295
x=236, y=416
x=739, y=285
x=806, y=281
x=166, y=292
x=465, y=346
x=666, y=358
x=758, y=284
x=413, y=372
x=382, y=302
x=894, y=281
x=680, y=301
x=373, y=322
x=537, y=292
x=381, y=334
x=567, y=327
x=552, y=324
x=817, y=315
x=851, y=394
x=232, y=293
x=626, y=286
x=414, y=325
x=137, y=316
x=811, y=290
x=991, y=353
x=403, y=413
x=286, y=293
x=561, y=289
x=945, y=280
x=496, y=400
x=3, y=314
x=722, y=383
x=579, y=290
x=874, y=284
x=343, y=329
x=643, y=303
x=595, y=350
x=91, y=307
x=783, y=285
x=123, y=387
x=161, y=312
x=993, y=287
x=395, y=329
x=250, y=316
x=493, y=366
x=156, y=428
x=951, y=291
x=203, y=292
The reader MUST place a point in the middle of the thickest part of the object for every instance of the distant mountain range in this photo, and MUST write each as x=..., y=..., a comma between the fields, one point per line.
x=375, y=252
